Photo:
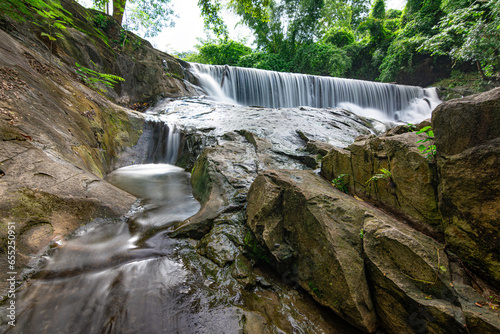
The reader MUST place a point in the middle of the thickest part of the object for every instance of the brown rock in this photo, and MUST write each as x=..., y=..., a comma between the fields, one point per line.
x=312, y=232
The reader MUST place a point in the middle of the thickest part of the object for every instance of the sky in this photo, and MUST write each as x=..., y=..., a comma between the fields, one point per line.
x=189, y=26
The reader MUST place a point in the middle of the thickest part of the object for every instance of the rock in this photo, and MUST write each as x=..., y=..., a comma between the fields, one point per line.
x=336, y=163
x=464, y=123
x=325, y=239
x=410, y=279
x=469, y=196
x=467, y=134
x=58, y=140
x=318, y=147
x=218, y=191
x=218, y=248
x=312, y=230
x=255, y=323
x=410, y=191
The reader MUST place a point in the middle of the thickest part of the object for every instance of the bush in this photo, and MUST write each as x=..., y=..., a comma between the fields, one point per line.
x=225, y=52
x=321, y=59
x=339, y=36
x=266, y=61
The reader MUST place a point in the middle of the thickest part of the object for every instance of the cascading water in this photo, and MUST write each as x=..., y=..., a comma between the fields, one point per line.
x=386, y=102
x=164, y=144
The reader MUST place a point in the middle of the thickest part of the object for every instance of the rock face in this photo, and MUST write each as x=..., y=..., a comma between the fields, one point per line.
x=314, y=234
x=58, y=140
x=409, y=190
x=96, y=41
x=468, y=144
x=366, y=266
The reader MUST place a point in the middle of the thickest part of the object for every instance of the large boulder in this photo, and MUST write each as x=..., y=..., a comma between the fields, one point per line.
x=313, y=234
x=409, y=191
x=467, y=135
x=360, y=262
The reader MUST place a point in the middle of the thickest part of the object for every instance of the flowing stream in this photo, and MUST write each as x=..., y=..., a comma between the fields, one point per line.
x=118, y=277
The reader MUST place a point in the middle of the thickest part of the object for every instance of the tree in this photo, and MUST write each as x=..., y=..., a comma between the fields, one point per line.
x=472, y=34
x=222, y=52
x=378, y=10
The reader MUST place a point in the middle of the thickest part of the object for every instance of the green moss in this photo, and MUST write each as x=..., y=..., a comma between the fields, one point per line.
x=255, y=249
x=200, y=179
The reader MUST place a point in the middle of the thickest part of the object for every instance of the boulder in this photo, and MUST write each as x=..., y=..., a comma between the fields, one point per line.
x=220, y=178
x=467, y=134
x=360, y=262
x=410, y=280
x=409, y=189
x=312, y=232
x=464, y=123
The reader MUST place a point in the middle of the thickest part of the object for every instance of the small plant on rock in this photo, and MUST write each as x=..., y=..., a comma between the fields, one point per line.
x=385, y=175
x=93, y=78
x=340, y=182
x=430, y=150
x=410, y=127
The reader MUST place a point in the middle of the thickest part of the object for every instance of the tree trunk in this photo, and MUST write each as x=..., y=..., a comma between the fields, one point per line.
x=118, y=10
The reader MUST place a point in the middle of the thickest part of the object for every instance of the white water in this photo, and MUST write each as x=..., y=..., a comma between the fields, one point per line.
x=385, y=102
x=164, y=146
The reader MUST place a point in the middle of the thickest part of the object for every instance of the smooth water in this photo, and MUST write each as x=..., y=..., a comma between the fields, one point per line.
x=112, y=277
x=254, y=87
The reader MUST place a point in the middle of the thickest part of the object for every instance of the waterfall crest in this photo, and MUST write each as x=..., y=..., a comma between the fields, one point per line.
x=248, y=86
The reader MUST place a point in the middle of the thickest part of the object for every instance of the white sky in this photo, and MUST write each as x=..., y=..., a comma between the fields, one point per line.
x=189, y=26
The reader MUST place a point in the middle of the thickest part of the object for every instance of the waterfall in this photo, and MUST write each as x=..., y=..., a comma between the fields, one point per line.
x=254, y=87
x=164, y=145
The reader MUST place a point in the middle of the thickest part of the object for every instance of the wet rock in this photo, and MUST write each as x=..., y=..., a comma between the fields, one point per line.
x=312, y=231
x=467, y=134
x=318, y=147
x=242, y=271
x=58, y=140
x=255, y=323
x=215, y=190
x=218, y=248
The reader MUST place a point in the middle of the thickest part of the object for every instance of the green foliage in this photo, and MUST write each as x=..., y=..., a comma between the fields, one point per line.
x=101, y=21
x=22, y=10
x=266, y=61
x=393, y=14
x=399, y=57
x=94, y=79
x=385, y=175
x=339, y=36
x=341, y=182
x=410, y=127
x=321, y=59
x=149, y=18
x=430, y=150
x=378, y=9
x=224, y=52
x=470, y=34
x=213, y=21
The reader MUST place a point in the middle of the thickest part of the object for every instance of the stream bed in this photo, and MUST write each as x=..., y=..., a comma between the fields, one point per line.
x=129, y=276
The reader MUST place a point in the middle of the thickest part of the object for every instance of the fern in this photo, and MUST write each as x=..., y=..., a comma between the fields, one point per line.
x=93, y=78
